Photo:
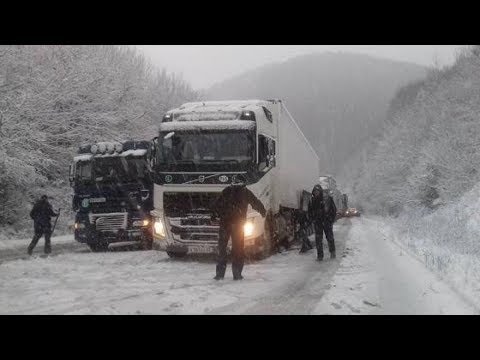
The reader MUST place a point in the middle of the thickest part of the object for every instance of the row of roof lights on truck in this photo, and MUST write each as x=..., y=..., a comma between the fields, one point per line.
x=167, y=118
x=247, y=115
x=106, y=148
x=244, y=115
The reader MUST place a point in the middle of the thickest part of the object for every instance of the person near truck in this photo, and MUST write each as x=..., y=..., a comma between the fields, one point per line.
x=231, y=207
x=322, y=212
x=41, y=214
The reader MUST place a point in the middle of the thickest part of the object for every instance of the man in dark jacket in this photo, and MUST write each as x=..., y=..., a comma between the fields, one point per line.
x=41, y=213
x=322, y=212
x=231, y=207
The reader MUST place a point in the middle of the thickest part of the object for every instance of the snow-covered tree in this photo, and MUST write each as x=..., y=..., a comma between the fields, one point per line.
x=54, y=98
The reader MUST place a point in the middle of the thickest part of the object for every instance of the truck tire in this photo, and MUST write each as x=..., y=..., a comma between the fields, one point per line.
x=147, y=245
x=176, y=255
x=266, y=250
x=99, y=247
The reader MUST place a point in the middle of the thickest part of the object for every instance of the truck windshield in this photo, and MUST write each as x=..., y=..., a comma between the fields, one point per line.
x=83, y=172
x=218, y=150
x=112, y=170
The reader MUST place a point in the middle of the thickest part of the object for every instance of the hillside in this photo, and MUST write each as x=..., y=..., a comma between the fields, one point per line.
x=340, y=100
x=428, y=155
x=55, y=97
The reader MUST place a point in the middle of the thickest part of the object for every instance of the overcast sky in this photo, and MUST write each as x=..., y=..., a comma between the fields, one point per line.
x=204, y=65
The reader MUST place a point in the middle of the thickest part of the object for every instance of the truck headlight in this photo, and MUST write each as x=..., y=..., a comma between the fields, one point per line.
x=158, y=228
x=79, y=226
x=141, y=222
x=248, y=228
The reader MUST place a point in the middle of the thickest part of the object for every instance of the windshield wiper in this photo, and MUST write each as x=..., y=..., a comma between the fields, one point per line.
x=184, y=162
x=220, y=161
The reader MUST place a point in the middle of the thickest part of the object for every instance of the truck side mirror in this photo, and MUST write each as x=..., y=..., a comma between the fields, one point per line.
x=272, y=160
x=153, y=153
x=168, y=143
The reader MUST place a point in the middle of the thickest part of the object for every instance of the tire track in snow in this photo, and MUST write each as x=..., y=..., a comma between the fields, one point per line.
x=303, y=288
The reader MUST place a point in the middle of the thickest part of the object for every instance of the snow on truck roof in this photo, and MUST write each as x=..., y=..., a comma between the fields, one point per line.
x=87, y=157
x=214, y=115
x=208, y=125
x=208, y=106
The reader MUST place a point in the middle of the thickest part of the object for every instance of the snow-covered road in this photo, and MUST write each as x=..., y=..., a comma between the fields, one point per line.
x=378, y=276
x=371, y=275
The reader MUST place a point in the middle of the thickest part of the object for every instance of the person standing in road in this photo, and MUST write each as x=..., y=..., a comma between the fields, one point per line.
x=41, y=214
x=231, y=207
x=322, y=212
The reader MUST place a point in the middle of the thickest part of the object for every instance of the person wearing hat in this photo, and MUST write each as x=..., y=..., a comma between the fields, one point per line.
x=322, y=212
x=41, y=214
x=231, y=207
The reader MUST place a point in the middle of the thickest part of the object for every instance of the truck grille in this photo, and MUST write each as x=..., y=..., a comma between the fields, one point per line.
x=189, y=217
x=109, y=222
x=204, y=230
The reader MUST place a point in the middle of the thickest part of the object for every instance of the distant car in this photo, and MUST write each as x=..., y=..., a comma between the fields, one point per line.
x=352, y=212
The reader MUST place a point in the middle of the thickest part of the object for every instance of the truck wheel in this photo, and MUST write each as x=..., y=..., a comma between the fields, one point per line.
x=101, y=247
x=266, y=250
x=176, y=255
x=147, y=245
x=262, y=254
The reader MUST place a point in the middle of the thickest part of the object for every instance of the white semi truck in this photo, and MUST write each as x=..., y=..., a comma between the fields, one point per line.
x=202, y=147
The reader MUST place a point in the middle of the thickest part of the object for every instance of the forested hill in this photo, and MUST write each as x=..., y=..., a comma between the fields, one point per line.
x=340, y=100
x=429, y=155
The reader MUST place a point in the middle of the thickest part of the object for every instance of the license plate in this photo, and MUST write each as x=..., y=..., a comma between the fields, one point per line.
x=201, y=249
x=98, y=200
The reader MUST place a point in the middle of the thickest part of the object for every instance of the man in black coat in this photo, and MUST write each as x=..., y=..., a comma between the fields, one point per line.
x=41, y=214
x=231, y=207
x=322, y=212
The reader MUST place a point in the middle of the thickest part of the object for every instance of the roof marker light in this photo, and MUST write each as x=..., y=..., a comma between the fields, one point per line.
x=110, y=148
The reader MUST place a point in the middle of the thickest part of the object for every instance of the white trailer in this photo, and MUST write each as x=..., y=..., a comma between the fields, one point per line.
x=202, y=146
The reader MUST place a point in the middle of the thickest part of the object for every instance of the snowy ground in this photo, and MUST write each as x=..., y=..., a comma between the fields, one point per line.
x=371, y=275
x=379, y=276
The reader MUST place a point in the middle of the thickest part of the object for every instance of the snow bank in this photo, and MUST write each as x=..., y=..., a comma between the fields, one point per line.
x=447, y=241
x=378, y=276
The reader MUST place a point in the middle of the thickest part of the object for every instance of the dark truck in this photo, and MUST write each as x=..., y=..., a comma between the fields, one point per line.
x=113, y=194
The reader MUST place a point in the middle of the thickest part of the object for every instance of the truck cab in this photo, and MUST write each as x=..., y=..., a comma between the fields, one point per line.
x=202, y=147
x=112, y=194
